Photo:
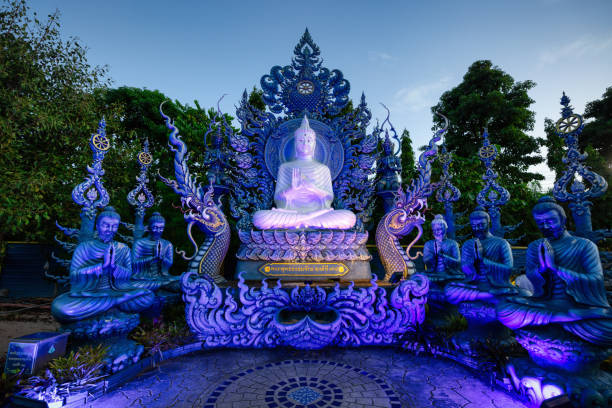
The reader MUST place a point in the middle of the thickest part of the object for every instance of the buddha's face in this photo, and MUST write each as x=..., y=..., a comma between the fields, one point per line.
x=550, y=224
x=107, y=228
x=480, y=227
x=305, y=143
x=157, y=229
x=438, y=230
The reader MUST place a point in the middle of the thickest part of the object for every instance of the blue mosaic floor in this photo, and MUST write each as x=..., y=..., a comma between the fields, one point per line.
x=282, y=378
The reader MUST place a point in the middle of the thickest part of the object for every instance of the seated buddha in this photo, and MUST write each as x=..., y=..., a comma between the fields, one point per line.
x=567, y=279
x=486, y=261
x=100, y=274
x=304, y=192
x=441, y=255
x=152, y=258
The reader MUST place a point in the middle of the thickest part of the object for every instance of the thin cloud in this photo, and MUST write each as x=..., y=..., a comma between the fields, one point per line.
x=585, y=46
x=380, y=57
x=422, y=96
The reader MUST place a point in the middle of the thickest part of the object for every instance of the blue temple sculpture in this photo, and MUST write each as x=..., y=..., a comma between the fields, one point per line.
x=447, y=193
x=568, y=188
x=493, y=196
x=199, y=209
x=102, y=302
x=486, y=261
x=389, y=166
x=441, y=254
x=407, y=214
x=152, y=257
x=568, y=311
x=141, y=197
x=304, y=192
x=90, y=195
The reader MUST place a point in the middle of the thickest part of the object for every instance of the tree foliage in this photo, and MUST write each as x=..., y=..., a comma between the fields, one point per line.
x=490, y=98
x=407, y=158
x=48, y=103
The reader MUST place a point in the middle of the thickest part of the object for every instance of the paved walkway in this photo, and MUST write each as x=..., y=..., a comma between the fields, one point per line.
x=283, y=378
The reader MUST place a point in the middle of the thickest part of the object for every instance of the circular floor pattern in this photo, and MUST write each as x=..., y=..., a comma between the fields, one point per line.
x=304, y=383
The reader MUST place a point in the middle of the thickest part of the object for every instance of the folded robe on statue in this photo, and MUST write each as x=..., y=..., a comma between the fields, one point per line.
x=93, y=290
x=151, y=272
x=579, y=304
x=489, y=278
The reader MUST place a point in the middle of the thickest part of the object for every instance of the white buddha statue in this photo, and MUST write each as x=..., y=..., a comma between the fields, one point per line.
x=304, y=193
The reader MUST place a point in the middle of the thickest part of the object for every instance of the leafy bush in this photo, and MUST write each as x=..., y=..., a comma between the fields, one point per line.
x=81, y=367
x=161, y=336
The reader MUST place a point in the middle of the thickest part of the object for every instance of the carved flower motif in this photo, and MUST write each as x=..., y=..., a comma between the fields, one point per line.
x=240, y=143
x=244, y=161
x=92, y=194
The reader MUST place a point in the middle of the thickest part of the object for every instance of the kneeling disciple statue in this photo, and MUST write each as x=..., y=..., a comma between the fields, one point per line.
x=442, y=259
x=102, y=301
x=304, y=192
x=569, y=293
x=486, y=261
x=152, y=259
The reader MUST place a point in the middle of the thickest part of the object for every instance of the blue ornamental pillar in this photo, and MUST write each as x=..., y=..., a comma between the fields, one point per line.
x=447, y=193
x=492, y=196
x=91, y=194
x=140, y=197
x=389, y=167
x=570, y=187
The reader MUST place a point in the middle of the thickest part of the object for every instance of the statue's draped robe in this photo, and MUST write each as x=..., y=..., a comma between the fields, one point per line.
x=440, y=268
x=93, y=291
x=151, y=272
x=304, y=212
x=488, y=279
x=574, y=296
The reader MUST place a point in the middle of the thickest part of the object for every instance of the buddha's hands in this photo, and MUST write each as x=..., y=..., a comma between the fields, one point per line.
x=546, y=255
x=159, y=253
x=109, y=258
x=478, y=250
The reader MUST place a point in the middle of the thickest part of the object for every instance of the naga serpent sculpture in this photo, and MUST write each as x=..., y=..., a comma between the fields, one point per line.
x=407, y=214
x=198, y=209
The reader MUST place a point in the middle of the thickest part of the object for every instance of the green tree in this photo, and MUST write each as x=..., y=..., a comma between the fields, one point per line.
x=490, y=98
x=48, y=105
x=407, y=158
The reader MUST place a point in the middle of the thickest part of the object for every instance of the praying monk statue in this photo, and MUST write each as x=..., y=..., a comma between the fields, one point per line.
x=304, y=193
x=152, y=258
x=441, y=255
x=486, y=261
x=568, y=283
x=100, y=274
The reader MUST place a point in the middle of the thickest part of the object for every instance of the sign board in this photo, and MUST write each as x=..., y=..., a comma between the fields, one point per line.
x=32, y=352
x=304, y=269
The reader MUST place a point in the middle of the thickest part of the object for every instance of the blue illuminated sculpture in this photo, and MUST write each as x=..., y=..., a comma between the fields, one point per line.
x=152, y=257
x=389, y=166
x=102, y=303
x=140, y=197
x=569, y=304
x=199, y=209
x=442, y=258
x=493, y=196
x=569, y=127
x=447, y=193
x=407, y=215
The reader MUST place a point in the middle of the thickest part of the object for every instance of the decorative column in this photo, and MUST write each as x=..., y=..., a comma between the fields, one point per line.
x=390, y=167
x=140, y=197
x=216, y=156
x=492, y=196
x=570, y=187
x=91, y=193
x=447, y=193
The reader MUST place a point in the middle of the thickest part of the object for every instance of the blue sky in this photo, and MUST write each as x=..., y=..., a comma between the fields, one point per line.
x=404, y=54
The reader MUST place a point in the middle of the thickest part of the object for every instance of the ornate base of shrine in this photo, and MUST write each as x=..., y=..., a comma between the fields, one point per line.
x=304, y=255
x=593, y=389
x=109, y=329
x=483, y=327
x=162, y=299
x=551, y=347
x=307, y=317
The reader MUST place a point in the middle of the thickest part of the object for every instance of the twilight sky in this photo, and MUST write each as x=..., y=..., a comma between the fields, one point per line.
x=404, y=54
